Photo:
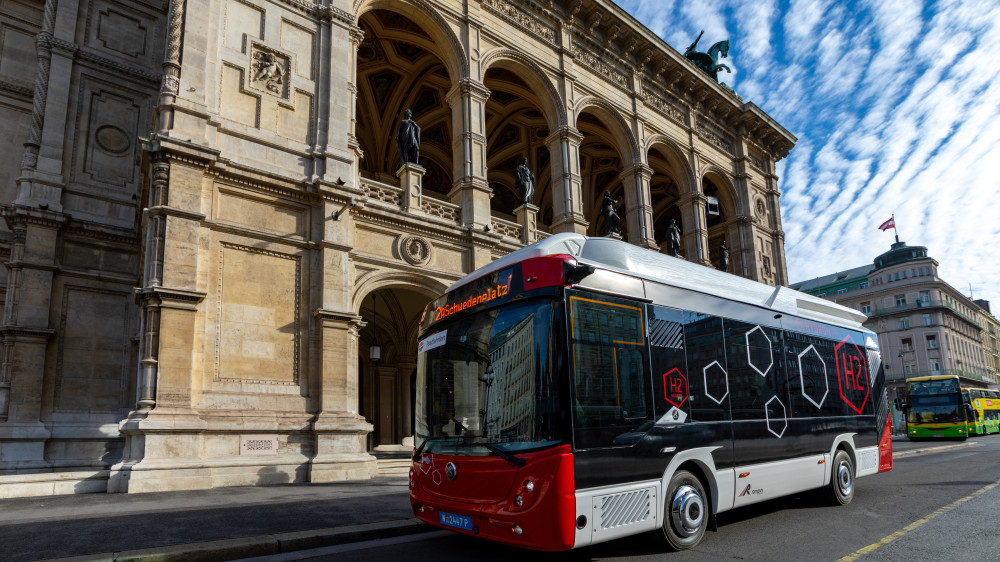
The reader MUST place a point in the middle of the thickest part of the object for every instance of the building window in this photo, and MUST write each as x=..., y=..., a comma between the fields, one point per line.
x=906, y=344
x=935, y=366
x=822, y=295
x=841, y=291
x=900, y=300
x=927, y=319
x=904, y=274
x=866, y=307
x=925, y=297
x=863, y=285
x=890, y=277
x=904, y=323
x=910, y=367
x=932, y=342
x=897, y=276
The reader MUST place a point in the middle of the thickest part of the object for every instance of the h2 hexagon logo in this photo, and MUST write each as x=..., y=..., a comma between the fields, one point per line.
x=675, y=387
x=852, y=374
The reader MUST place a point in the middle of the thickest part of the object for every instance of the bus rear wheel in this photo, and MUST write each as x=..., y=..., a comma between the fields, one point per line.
x=841, y=490
x=685, y=513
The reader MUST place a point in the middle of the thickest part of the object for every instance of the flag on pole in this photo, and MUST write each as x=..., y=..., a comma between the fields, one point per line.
x=891, y=223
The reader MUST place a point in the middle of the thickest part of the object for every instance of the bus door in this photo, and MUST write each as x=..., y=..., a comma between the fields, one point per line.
x=612, y=393
x=690, y=385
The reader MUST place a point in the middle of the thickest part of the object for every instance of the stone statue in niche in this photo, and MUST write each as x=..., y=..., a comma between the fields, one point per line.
x=524, y=180
x=609, y=210
x=408, y=139
x=723, y=257
x=673, y=238
x=268, y=71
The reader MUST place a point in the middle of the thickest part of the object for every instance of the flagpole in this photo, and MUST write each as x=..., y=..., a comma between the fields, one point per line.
x=894, y=229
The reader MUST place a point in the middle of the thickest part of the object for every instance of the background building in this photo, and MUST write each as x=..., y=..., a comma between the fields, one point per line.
x=924, y=325
x=204, y=318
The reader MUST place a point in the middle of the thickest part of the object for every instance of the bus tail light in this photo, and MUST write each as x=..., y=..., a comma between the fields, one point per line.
x=885, y=449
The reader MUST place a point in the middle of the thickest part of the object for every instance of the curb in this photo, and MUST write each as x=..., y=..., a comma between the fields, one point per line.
x=262, y=545
x=934, y=449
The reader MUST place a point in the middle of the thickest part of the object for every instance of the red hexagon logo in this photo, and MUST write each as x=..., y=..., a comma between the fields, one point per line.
x=675, y=387
x=852, y=374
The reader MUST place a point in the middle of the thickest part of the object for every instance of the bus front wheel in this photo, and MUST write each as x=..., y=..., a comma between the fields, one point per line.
x=686, y=512
x=841, y=489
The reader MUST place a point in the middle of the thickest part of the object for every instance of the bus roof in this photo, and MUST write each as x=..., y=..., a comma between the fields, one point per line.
x=932, y=378
x=616, y=255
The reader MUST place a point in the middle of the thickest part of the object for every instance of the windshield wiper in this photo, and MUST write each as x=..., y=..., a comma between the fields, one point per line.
x=511, y=459
x=420, y=449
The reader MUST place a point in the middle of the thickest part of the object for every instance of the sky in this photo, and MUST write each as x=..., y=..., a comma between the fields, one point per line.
x=896, y=107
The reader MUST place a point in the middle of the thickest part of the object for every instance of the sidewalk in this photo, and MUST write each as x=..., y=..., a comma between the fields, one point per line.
x=219, y=524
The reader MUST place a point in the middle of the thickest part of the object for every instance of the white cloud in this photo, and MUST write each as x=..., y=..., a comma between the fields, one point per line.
x=896, y=106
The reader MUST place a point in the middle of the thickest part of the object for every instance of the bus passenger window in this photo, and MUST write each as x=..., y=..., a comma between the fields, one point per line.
x=610, y=370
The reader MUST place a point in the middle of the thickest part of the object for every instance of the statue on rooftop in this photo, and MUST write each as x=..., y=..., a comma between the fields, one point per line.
x=723, y=257
x=709, y=62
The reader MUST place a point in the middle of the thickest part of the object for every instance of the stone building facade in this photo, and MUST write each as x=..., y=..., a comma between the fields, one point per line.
x=206, y=223
x=924, y=325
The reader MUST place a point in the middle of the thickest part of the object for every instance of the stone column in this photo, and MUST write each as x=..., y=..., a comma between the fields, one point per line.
x=527, y=217
x=356, y=37
x=567, y=184
x=404, y=368
x=341, y=433
x=638, y=205
x=471, y=190
x=411, y=177
x=25, y=335
x=695, y=237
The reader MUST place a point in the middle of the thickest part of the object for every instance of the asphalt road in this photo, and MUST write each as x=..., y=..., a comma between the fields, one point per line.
x=935, y=505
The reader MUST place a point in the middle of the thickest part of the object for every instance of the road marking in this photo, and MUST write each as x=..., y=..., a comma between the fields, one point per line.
x=916, y=524
x=325, y=551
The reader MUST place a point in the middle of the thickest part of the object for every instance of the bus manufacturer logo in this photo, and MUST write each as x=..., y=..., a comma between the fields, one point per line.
x=451, y=471
x=852, y=374
x=751, y=492
x=675, y=387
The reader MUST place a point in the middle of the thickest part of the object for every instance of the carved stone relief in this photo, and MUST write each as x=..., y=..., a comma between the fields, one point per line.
x=519, y=17
x=415, y=250
x=111, y=124
x=269, y=71
x=121, y=33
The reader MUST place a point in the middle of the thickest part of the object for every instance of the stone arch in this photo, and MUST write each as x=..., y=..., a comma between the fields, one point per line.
x=610, y=114
x=730, y=200
x=455, y=58
x=389, y=278
x=551, y=101
x=676, y=157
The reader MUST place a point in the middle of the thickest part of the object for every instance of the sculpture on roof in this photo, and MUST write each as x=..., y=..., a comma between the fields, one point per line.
x=709, y=62
x=408, y=139
x=673, y=238
x=723, y=256
x=524, y=181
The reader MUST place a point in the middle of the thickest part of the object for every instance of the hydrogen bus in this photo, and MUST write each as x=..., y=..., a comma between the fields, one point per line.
x=936, y=408
x=584, y=389
x=985, y=406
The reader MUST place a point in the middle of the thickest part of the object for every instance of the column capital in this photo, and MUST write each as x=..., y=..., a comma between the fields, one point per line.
x=468, y=86
x=565, y=133
x=357, y=35
x=693, y=197
x=637, y=169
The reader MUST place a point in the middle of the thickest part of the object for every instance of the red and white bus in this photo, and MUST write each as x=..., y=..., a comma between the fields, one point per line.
x=584, y=389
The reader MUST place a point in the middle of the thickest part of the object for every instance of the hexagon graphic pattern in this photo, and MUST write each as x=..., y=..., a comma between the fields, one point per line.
x=774, y=420
x=852, y=374
x=802, y=382
x=759, y=338
x=717, y=380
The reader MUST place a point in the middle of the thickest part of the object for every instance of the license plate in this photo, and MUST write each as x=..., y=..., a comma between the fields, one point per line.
x=457, y=521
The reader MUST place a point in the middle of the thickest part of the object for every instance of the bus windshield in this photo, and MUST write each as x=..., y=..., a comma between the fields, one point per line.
x=940, y=408
x=485, y=381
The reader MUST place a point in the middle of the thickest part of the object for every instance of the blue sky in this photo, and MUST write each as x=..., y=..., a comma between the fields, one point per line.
x=896, y=105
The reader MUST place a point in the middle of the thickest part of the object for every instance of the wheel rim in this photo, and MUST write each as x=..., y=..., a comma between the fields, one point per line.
x=687, y=510
x=845, y=480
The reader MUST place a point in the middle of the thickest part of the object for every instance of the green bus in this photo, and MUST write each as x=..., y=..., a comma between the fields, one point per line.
x=985, y=405
x=936, y=409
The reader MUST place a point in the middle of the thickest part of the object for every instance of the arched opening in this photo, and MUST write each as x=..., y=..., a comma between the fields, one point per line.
x=516, y=128
x=399, y=68
x=601, y=164
x=392, y=315
x=721, y=211
x=665, y=192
